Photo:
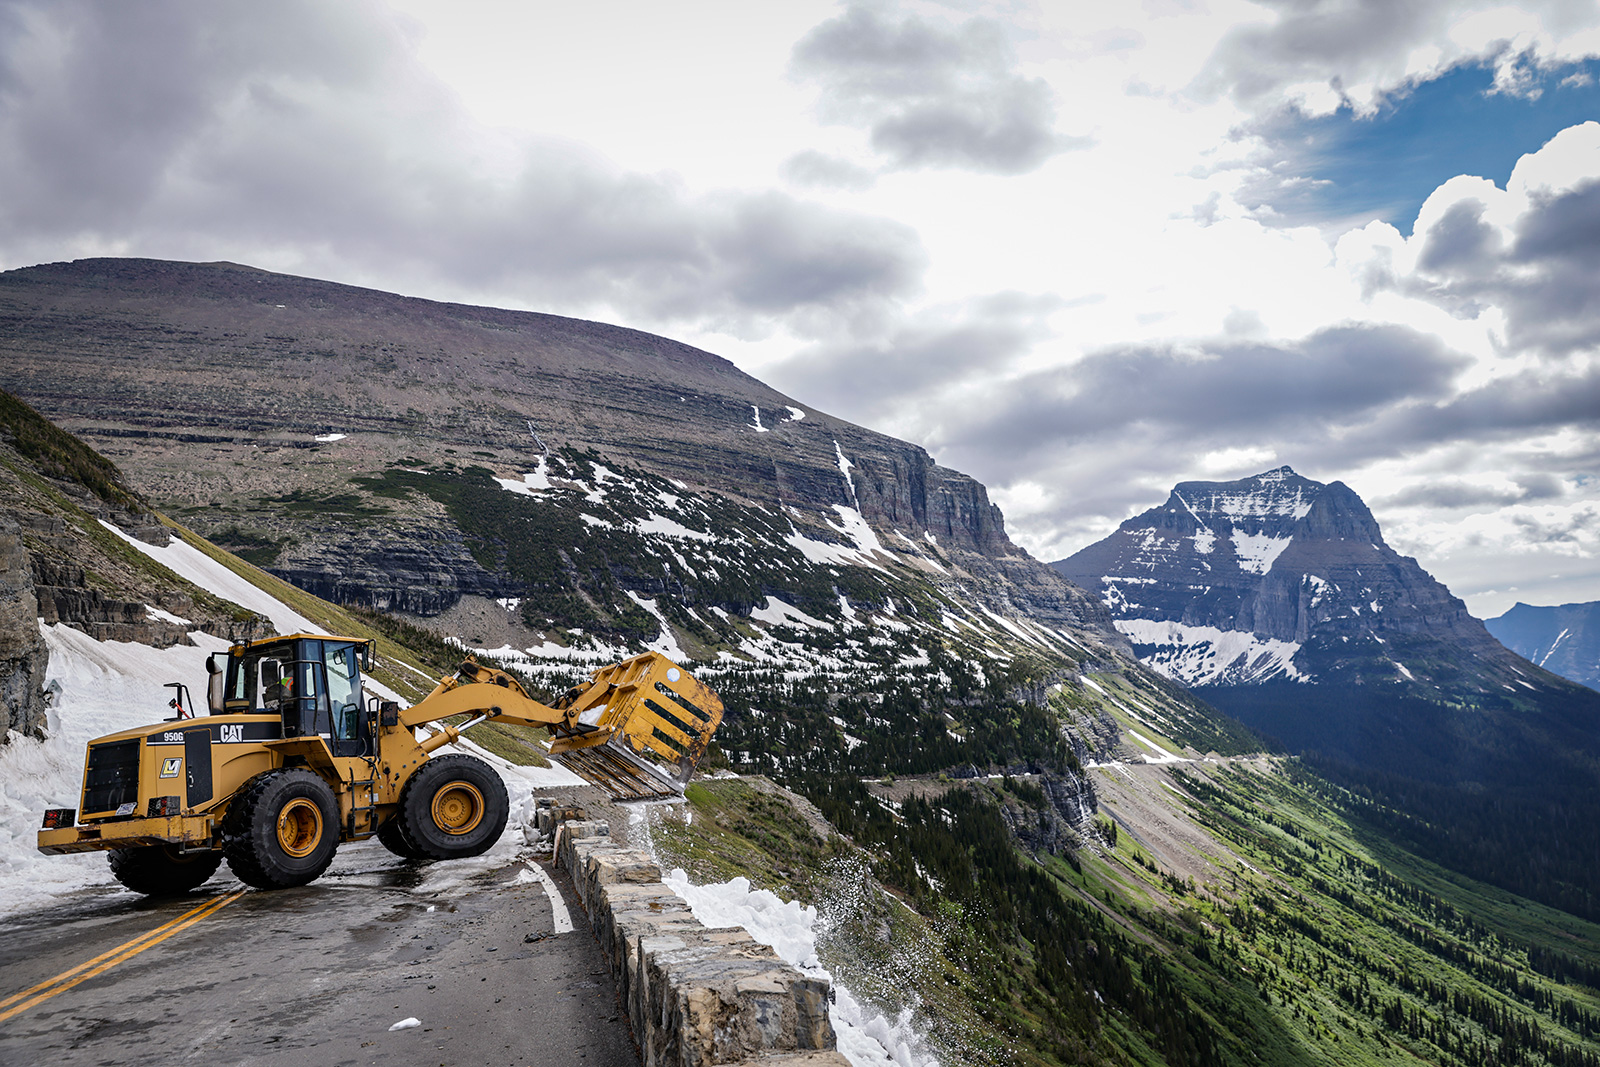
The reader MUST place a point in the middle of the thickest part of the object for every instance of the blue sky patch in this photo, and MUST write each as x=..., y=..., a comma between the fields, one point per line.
x=1386, y=165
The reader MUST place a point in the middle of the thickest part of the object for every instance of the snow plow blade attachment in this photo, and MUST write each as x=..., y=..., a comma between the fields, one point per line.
x=638, y=729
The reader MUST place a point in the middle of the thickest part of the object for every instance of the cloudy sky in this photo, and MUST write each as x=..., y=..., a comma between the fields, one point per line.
x=1080, y=250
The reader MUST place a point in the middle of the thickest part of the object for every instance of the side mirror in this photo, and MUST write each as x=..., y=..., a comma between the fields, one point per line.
x=367, y=657
x=389, y=713
x=211, y=664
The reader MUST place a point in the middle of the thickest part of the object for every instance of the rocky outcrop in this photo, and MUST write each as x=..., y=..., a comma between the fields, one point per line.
x=1057, y=825
x=23, y=656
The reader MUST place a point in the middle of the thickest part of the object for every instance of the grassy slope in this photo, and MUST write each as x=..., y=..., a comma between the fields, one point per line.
x=1316, y=945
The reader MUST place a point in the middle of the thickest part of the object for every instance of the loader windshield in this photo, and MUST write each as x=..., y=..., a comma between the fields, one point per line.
x=314, y=684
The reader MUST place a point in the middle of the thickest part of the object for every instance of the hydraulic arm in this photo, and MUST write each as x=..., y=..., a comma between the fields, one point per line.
x=601, y=731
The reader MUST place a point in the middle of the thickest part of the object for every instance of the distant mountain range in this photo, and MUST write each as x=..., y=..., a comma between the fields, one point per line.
x=1564, y=639
x=1278, y=599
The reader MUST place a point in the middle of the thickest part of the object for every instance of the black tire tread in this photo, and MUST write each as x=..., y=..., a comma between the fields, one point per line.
x=416, y=826
x=156, y=871
x=238, y=844
x=393, y=837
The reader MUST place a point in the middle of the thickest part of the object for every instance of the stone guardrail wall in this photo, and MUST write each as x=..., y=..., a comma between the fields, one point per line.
x=695, y=996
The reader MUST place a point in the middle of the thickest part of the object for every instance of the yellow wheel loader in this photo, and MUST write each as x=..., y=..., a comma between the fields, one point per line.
x=296, y=756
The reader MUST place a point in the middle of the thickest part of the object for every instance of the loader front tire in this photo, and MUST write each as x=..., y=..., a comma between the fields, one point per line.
x=161, y=870
x=282, y=830
x=453, y=807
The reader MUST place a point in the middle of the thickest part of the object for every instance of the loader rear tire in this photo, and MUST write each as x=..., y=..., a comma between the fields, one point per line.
x=161, y=870
x=282, y=830
x=453, y=807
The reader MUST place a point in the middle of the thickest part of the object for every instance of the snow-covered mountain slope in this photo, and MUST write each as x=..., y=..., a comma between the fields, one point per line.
x=1273, y=577
x=1277, y=597
x=1564, y=639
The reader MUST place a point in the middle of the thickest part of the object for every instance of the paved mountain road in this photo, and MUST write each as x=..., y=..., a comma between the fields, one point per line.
x=316, y=974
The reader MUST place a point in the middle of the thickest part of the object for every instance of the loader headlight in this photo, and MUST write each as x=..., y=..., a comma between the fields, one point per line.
x=56, y=818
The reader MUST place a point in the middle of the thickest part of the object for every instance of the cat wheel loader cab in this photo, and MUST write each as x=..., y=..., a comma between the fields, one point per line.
x=297, y=755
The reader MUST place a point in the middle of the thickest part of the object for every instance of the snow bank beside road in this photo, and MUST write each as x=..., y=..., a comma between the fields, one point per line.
x=99, y=687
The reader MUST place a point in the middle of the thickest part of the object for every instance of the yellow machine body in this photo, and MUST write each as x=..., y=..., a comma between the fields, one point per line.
x=298, y=702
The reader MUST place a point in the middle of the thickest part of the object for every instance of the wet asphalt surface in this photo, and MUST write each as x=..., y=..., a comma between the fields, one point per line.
x=317, y=975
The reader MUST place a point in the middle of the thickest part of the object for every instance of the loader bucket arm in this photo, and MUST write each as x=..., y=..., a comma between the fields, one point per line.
x=605, y=732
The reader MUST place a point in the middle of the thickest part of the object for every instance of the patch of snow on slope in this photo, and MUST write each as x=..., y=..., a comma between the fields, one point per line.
x=597, y=495
x=100, y=687
x=844, y=469
x=795, y=414
x=155, y=613
x=1257, y=552
x=667, y=643
x=1205, y=655
x=758, y=427
x=193, y=565
x=866, y=1038
x=1162, y=755
x=534, y=482
x=1012, y=627
x=329, y=438
x=825, y=552
x=1273, y=503
x=776, y=613
x=665, y=527
x=851, y=525
x=855, y=527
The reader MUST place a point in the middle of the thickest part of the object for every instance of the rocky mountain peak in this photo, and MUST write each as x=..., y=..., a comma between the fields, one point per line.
x=1232, y=582
x=1278, y=595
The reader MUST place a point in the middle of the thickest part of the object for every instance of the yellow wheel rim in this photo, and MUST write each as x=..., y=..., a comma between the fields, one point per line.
x=299, y=827
x=458, y=808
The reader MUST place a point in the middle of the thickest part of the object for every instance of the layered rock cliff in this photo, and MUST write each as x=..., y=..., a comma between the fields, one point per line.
x=259, y=408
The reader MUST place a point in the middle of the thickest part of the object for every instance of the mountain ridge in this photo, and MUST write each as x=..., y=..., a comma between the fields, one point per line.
x=1280, y=563
x=213, y=384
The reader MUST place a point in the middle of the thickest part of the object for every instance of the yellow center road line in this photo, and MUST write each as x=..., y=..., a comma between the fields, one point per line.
x=110, y=958
x=13, y=998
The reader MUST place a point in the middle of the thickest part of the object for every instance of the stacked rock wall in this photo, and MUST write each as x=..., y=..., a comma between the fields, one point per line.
x=695, y=996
